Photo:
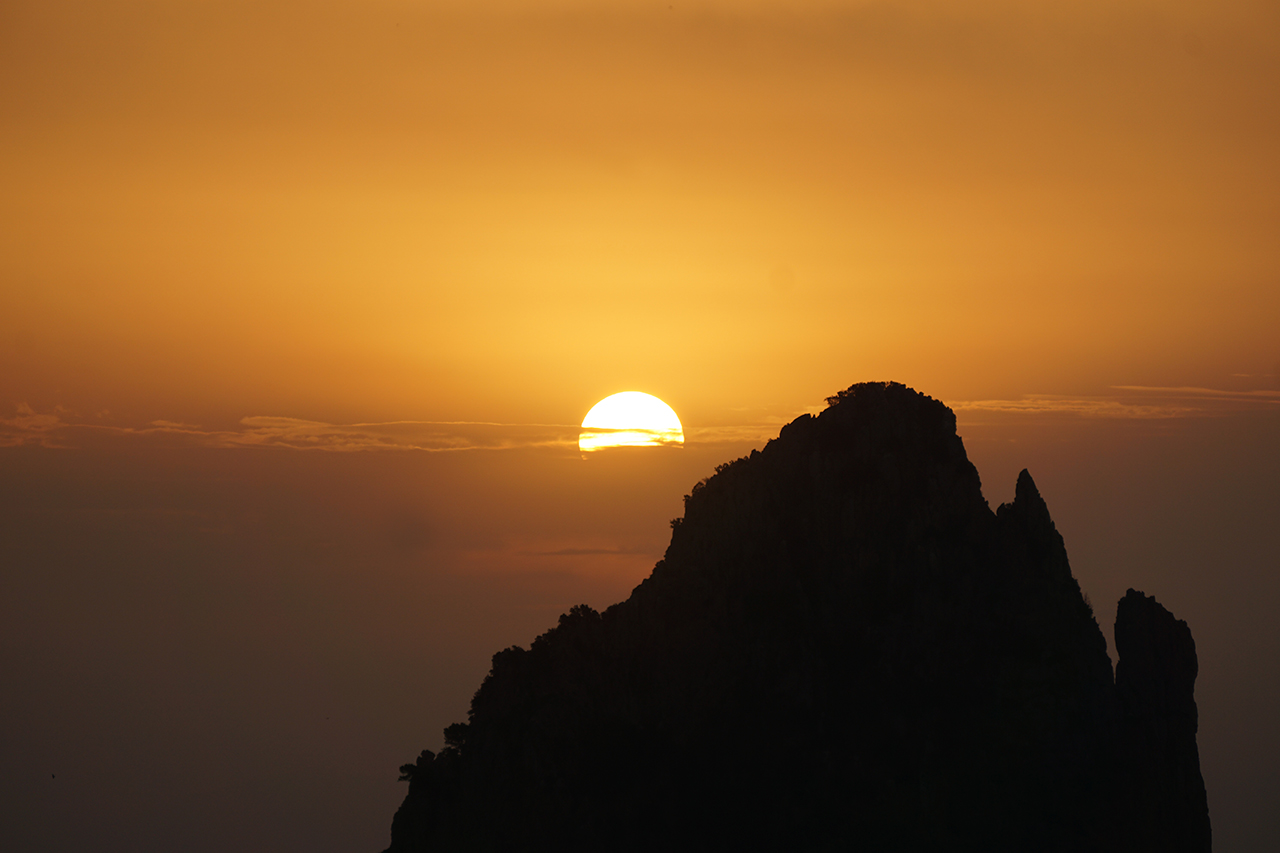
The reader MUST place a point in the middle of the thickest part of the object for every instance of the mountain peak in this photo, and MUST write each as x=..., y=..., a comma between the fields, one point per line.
x=842, y=647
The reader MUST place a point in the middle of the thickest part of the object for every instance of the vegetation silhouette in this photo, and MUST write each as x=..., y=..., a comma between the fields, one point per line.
x=843, y=648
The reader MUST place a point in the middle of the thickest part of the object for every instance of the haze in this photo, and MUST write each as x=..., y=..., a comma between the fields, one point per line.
x=302, y=304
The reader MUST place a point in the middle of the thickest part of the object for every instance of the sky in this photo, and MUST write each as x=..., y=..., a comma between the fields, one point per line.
x=301, y=305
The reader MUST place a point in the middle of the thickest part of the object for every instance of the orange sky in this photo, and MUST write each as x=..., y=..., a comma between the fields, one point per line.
x=372, y=211
x=230, y=230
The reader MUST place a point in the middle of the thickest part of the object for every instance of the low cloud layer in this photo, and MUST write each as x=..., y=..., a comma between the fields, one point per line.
x=1128, y=402
x=62, y=428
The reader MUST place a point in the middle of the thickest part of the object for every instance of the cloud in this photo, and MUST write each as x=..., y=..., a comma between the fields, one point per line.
x=1089, y=407
x=588, y=552
x=29, y=427
x=732, y=433
x=58, y=429
x=1130, y=402
x=429, y=436
x=265, y=431
x=51, y=430
x=1201, y=393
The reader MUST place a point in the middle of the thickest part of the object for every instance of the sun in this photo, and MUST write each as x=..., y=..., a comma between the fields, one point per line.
x=630, y=419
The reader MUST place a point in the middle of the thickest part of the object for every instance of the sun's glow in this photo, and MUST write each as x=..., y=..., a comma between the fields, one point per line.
x=630, y=419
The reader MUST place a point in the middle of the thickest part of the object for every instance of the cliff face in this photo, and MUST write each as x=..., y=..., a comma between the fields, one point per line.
x=1160, y=766
x=843, y=647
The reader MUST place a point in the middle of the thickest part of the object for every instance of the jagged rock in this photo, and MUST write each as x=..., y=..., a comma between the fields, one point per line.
x=1155, y=680
x=843, y=648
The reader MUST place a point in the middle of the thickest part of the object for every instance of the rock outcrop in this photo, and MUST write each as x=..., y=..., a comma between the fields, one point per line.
x=1160, y=766
x=843, y=648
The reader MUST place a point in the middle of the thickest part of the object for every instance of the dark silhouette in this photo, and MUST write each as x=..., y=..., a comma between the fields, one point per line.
x=1155, y=680
x=843, y=649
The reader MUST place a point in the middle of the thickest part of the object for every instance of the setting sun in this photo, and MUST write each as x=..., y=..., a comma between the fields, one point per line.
x=630, y=419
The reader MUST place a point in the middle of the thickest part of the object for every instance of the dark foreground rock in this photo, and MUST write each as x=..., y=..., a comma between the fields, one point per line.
x=843, y=649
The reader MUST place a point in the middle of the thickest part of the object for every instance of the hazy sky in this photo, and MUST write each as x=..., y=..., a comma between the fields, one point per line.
x=301, y=303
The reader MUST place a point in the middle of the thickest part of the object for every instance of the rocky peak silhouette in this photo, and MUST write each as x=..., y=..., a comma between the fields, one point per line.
x=842, y=648
x=1155, y=682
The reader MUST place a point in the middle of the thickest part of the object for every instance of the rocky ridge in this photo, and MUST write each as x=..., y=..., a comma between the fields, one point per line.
x=842, y=648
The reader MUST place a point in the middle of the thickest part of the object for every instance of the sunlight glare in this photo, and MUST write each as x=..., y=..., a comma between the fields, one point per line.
x=630, y=419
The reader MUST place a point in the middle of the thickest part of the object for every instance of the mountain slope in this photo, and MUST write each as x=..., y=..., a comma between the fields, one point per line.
x=843, y=647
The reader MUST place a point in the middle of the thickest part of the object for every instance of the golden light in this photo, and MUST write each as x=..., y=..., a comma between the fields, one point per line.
x=630, y=419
